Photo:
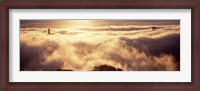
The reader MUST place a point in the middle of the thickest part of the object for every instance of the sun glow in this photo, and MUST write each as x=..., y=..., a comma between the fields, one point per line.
x=80, y=23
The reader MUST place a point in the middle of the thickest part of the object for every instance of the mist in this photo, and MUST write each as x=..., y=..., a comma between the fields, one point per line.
x=128, y=47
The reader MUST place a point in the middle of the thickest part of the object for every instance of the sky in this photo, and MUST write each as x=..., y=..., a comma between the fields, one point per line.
x=68, y=23
x=80, y=45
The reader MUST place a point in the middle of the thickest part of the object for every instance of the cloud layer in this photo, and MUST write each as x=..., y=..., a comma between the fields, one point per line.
x=131, y=48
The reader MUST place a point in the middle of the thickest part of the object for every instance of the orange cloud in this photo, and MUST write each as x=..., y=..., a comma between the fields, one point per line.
x=77, y=49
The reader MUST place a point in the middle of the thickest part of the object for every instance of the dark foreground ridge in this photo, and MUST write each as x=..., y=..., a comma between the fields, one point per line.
x=63, y=70
x=98, y=68
x=106, y=68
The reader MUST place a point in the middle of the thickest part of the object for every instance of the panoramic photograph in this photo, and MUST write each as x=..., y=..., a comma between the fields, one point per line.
x=99, y=45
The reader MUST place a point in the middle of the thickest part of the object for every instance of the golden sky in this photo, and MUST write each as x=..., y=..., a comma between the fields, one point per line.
x=81, y=23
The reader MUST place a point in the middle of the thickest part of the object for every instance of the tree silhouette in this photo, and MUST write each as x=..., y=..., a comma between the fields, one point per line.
x=63, y=70
x=97, y=68
x=106, y=68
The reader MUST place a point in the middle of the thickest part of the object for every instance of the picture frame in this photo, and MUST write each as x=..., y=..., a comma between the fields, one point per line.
x=112, y=4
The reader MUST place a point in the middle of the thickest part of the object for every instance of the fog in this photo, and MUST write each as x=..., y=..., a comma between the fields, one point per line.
x=129, y=47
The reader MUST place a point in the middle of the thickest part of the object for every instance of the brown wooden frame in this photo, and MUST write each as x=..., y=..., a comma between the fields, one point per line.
x=100, y=4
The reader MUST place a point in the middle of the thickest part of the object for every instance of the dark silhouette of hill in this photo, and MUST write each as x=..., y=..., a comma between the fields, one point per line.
x=97, y=68
x=63, y=70
x=106, y=68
